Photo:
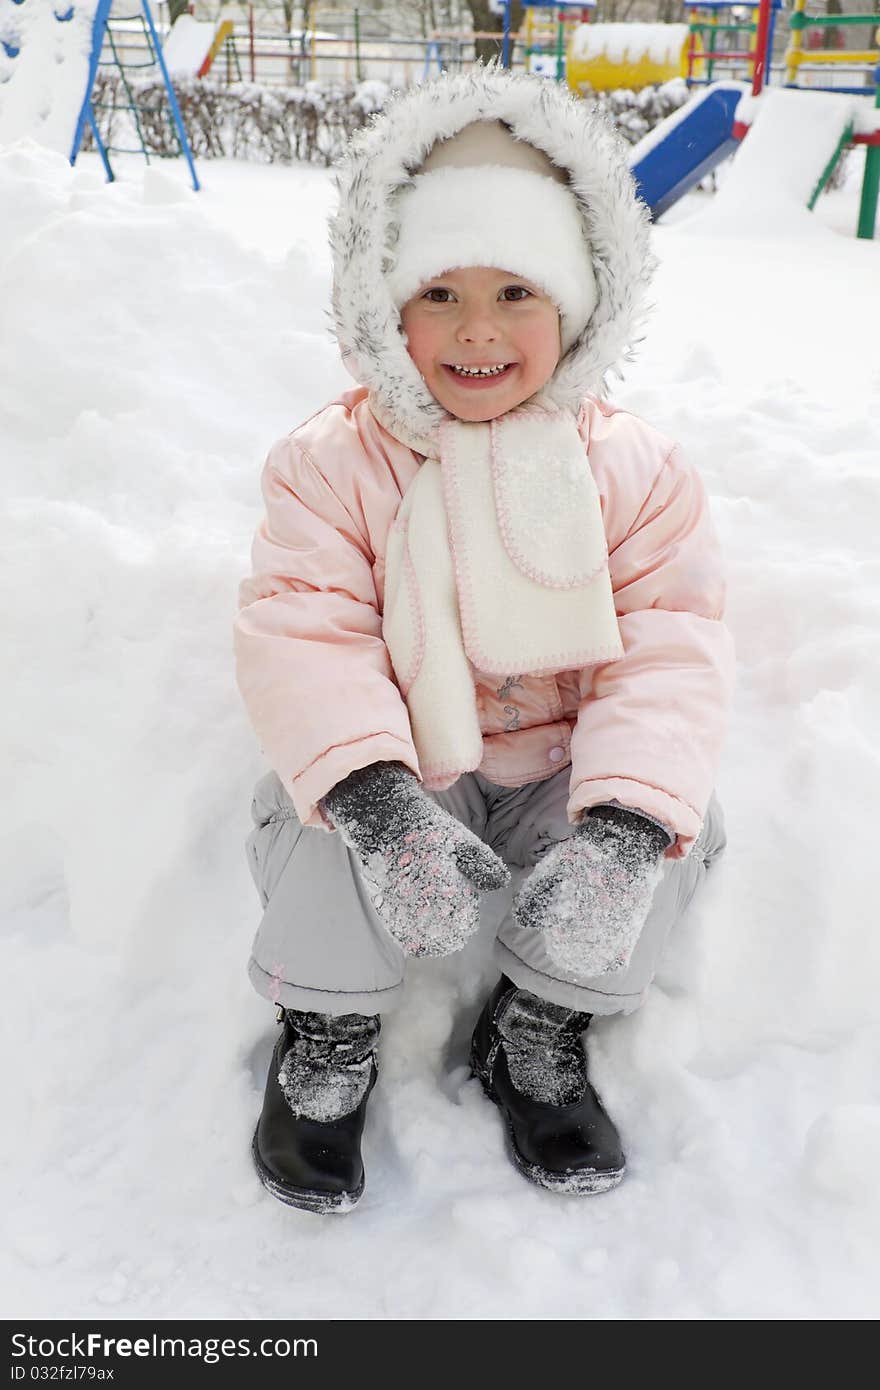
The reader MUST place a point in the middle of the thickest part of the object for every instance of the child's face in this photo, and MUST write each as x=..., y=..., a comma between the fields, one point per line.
x=481, y=317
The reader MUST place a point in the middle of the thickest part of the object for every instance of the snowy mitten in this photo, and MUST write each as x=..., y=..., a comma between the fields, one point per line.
x=424, y=869
x=591, y=893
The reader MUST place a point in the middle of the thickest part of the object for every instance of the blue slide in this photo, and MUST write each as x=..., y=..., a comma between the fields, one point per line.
x=681, y=150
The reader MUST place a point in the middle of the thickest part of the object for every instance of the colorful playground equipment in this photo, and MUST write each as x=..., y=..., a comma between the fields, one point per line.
x=688, y=145
x=796, y=56
x=547, y=34
x=801, y=132
x=716, y=49
x=604, y=56
x=193, y=45
x=560, y=42
x=864, y=130
x=599, y=57
x=51, y=53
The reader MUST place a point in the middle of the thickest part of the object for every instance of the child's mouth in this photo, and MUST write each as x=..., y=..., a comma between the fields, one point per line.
x=476, y=379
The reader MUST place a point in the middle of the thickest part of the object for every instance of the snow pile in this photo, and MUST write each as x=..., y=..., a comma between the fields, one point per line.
x=44, y=69
x=792, y=140
x=153, y=344
x=123, y=311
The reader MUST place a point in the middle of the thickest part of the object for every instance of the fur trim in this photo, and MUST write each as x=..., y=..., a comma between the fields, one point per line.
x=384, y=156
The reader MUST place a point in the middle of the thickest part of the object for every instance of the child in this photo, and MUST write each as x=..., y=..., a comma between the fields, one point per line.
x=483, y=642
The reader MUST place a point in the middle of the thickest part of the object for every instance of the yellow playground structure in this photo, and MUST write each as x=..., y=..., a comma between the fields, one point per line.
x=547, y=32
x=716, y=39
x=604, y=56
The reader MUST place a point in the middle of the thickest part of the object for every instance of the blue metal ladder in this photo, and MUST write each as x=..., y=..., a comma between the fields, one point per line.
x=102, y=33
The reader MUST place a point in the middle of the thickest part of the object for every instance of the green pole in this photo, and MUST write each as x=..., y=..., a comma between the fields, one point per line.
x=870, y=191
x=560, y=51
x=870, y=184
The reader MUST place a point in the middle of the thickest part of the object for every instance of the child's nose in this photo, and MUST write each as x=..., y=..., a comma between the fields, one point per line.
x=477, y=327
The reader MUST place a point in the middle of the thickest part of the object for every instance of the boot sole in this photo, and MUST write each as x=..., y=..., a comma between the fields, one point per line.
x=306, y=1199
x=581, y=1182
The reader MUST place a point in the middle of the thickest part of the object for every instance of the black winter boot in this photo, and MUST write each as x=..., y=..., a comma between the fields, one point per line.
x=528, y=1055
x=307, y=1144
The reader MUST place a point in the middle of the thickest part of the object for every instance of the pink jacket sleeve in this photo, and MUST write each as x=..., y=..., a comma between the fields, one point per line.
x=650, y=726
x=311, y=664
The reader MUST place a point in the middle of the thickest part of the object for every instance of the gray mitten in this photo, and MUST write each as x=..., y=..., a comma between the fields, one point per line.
x=591, y=893
x=424, y=869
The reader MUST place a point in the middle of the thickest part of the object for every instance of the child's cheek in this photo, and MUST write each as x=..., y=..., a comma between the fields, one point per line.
x=416, y=341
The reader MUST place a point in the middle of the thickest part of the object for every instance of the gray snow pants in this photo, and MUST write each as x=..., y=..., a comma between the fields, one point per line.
x=322, y=947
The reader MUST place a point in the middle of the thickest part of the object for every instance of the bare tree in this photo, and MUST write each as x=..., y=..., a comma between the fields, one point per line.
x=617, y=11
x=853, y=36
x=421, y=17
x=486, y=21
x=831, y=35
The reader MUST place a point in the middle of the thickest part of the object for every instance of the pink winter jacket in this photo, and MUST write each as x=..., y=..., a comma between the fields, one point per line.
x=645, y=730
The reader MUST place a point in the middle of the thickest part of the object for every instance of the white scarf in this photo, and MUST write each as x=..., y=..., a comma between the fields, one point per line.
x=497, y=561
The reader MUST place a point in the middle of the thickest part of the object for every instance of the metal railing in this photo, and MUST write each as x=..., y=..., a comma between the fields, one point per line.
x=275, y=58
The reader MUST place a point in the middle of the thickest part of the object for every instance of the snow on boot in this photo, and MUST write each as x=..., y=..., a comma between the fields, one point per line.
x=306, y=1146
x=426, y=872
x=528, y=1055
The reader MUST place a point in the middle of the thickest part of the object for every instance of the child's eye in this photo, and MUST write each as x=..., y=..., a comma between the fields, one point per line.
x=517, y=291
x=437, y=290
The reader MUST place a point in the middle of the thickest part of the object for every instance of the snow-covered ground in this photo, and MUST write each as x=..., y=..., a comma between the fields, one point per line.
x=153, y=343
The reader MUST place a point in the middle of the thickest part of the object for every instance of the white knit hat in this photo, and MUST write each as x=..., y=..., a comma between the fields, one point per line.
x=485, y=198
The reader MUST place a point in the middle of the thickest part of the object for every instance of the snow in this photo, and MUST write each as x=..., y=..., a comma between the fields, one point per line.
x=42, y=88
x=865, y=115
x=326, y=1071
x=542, y=1047
x=792, y=138
x=425, y=872
x=188, y=44
x=154, y=342
x=590, y=895
x=632, y=43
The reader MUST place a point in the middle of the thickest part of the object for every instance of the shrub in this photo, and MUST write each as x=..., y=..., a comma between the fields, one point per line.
x=244, y=120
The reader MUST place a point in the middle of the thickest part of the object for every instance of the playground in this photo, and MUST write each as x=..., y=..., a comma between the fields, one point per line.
x=158, y=332
x=731, y=94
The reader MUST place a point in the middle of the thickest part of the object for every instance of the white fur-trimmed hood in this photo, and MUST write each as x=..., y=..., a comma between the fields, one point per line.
x=387, y=153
